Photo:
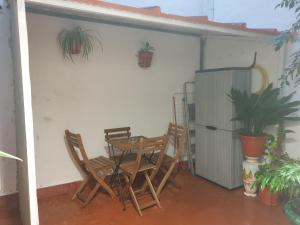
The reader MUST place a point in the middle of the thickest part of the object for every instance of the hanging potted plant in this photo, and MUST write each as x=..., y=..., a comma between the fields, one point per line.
x=145, y=55
x=256, y=112
x=77, y=41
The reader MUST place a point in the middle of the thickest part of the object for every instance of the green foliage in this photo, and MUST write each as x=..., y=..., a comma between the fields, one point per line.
x=68, y=38
x=6, y=155
x=147, y=47
x=292, y=73
x=256, y=112
x=282, y=178
x=274, y=149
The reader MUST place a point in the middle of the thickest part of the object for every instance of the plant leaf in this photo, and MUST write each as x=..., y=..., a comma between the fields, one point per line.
x=6, y=155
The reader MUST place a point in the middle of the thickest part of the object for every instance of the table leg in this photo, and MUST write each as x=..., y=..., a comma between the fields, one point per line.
x=116, y=170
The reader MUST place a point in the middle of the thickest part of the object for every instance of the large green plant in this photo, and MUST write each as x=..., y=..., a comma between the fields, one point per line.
x=280, y=178
x=77, y=37
x=256, y=112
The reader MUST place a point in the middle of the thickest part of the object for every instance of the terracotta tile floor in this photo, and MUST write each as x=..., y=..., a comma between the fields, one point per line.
x=10, y=215
x=198, y=202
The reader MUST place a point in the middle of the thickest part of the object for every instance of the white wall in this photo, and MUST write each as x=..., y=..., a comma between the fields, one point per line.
x=8, y=169
x=233, y=51
x=110, y=90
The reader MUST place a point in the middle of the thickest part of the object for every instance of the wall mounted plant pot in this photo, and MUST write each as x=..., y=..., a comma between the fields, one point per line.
x=253, y=147
x=145, y=59
x=269, y=198
x=292, y=210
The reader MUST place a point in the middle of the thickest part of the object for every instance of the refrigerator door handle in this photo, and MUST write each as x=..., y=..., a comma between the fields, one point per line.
x=211, y=128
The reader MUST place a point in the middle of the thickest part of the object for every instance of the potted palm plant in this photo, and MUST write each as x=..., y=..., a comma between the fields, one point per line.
x=77, y=41
x=256, y=112
x=145, y=55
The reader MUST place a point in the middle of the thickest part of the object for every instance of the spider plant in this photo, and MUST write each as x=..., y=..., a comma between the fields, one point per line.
x=6, y=155
x=280, y=178
x=77, y=41
x=256, y=112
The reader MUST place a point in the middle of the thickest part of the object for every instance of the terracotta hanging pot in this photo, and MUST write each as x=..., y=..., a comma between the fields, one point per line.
x=269, y=198
x=253, y=147
x=145, y=58
x=75, y=48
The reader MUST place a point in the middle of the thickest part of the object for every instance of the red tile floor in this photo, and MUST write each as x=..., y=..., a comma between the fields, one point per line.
x=9, y=214
x=199, y=202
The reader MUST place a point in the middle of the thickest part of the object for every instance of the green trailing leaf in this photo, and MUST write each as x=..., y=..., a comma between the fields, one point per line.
x=77, y=39
x=280, y=178
x=256, y=112
x=6, y=155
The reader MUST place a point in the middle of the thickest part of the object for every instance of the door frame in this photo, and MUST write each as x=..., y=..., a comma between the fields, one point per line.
x=24, y=119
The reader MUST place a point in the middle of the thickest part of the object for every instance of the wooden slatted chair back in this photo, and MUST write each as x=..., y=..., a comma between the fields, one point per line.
x=77, y=149
x=96, y=169
x=176, y=137
x=148, y=146
x=115, y=134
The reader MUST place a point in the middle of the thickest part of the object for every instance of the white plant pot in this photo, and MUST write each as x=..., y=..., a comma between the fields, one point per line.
x=249, y=170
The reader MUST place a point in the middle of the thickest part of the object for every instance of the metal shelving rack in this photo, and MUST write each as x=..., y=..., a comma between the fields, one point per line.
x=189, y=122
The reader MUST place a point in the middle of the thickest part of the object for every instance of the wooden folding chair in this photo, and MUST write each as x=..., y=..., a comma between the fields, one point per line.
x=145, y=167
x=115, y=134
x=176, y=139
x=95, y=170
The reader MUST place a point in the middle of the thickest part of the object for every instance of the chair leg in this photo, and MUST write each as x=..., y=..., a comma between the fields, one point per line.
x=144, y=186
x=173, y=176
x=106, y=187
x=132, y=194
x=152, y=189
x=81, y=187
x=121, y=192
x=165, y=179
x=135, y=201
x=91, y=194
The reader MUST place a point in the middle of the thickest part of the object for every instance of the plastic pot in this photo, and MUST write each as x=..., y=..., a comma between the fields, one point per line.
x=269, y=198
x=253, y=147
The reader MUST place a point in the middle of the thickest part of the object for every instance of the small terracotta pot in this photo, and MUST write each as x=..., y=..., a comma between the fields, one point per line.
x=269, y=198
x=145, y=59
x=253, y=147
